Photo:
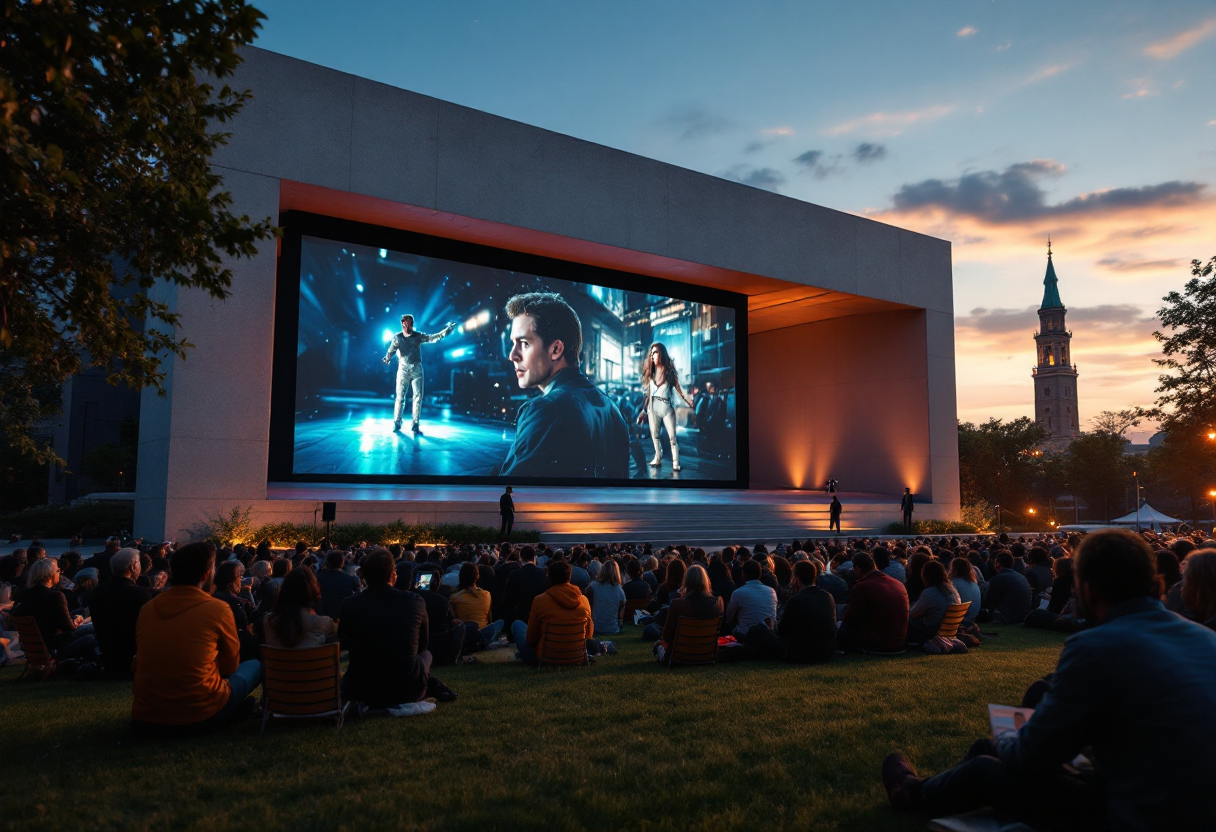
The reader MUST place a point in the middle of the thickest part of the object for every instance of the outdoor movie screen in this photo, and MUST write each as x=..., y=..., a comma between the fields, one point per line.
x=412, y=367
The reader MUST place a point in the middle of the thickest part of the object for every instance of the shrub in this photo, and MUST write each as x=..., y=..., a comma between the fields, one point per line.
x=920, y=527
x=235, y=527
x=99, y=520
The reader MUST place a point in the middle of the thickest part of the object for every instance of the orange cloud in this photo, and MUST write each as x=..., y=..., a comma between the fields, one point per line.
x=890, y=124
x=1172, y=47
x=966, y=31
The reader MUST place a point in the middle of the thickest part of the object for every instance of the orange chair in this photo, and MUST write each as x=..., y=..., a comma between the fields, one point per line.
x=955, y=613
x=38, y=659
x=563, y=644
x=695, y=641
x=302, y=683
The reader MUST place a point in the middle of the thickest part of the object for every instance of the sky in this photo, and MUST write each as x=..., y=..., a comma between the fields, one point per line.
x=988, y=124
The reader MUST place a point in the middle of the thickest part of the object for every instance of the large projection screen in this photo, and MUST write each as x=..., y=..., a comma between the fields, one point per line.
x=492, y=367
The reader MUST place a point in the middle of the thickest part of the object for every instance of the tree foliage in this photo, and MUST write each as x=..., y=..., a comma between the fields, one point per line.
x=1188, y=342
x=108, y=120
x=999, y=462
x=1118, y=422
x=1099, y=471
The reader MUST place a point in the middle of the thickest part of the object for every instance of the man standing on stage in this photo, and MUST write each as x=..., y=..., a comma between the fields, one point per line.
x=906, y=503
x=506, y=508
x=834, y=514
x=571, y=429
x=408, y=345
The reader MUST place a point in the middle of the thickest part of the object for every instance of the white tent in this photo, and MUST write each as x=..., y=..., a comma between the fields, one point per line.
x=1150, y=518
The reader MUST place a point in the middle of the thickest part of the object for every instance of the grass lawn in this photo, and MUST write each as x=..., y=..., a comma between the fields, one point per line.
x=620, y=745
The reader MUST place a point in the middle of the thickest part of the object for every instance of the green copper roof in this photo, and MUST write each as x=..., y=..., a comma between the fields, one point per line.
x=1051, y=291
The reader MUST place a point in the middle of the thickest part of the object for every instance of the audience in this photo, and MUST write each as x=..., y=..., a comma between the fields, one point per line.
x=561, y=602
x=472, y=604
x=336, y=585
x=925, y=616
x=114, y=607
x=607, y=599
x=695, y=600
x=750, y=604
x=806, y=631
x=876, y=617
x=1199, y=586
x=294, y=622
x=385, y=632
x=63, y=633
x=962, y=575
x=1009, y=596
x=188, y=675
x=522, y=587
x=1136, y=692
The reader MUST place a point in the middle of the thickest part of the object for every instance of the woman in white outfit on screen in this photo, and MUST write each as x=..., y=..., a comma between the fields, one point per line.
x=661, y=383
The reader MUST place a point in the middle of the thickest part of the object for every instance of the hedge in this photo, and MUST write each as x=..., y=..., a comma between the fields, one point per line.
x=921, y=527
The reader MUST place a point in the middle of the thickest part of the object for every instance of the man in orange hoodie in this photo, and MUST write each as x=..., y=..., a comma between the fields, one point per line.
x=187, y=676
x=563, y=602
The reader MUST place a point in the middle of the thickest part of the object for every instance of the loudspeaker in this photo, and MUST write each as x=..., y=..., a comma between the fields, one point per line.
x=328, y=512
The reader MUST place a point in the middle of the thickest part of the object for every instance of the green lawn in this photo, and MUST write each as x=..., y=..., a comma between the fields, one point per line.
x=620, y=745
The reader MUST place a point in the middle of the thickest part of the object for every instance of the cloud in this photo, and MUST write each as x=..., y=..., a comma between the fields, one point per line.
x=869, y=152
x=693, y=123
x=1006, y=330
x=1015, y=195
x=1121, y=263
x=779, y=131
x=819, y=164
x=1172, y=47
x=966, y=32
x=1001, y=47
x=769, y=179
x=1048, y=71
x=1144, y=89
x=890, y=124
x=754, y=147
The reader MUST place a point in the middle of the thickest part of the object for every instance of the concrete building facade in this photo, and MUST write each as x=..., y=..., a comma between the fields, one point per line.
x=851, y=327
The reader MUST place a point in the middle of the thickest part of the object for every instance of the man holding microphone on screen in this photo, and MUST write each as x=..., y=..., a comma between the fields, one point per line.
x=408, y=345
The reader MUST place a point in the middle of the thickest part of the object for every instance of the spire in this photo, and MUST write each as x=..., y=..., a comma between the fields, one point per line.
x=1051, y=291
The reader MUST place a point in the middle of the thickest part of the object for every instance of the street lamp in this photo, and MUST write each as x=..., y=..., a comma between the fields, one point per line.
x=1136, y=475
x=1212, y=495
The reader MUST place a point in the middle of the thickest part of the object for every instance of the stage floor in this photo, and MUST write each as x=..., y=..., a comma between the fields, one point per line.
x=583, y=495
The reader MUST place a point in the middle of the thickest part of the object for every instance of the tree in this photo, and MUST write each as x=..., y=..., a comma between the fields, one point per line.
x=1098, y=469
x=1188, y=394
x=999, y=461
x=108, y=117
x=1118, y=422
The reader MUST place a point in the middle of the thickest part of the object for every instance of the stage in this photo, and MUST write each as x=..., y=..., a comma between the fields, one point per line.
x=701, y=516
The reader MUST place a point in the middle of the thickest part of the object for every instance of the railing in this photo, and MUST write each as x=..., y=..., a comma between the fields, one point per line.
x=1034, y=371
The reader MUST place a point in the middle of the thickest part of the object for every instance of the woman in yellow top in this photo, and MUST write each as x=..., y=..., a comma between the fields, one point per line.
x=472, y=605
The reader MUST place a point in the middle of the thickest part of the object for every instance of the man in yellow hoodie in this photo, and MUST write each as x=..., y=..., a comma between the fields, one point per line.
x=562, y=601
x=188, y=677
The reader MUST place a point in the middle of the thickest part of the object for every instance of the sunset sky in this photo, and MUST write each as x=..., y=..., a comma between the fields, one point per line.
x=988, y=124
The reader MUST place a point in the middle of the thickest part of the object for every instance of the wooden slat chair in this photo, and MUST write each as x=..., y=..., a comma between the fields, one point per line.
x=695, y=641
x=953, y=618
x=632, y=605
x=39, y=661
x=302, y=683
x=563, y=644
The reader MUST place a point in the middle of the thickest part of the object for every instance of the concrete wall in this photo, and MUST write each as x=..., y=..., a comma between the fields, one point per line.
x=203, y=448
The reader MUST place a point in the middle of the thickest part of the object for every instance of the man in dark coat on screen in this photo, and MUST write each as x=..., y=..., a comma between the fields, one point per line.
x=571, y=429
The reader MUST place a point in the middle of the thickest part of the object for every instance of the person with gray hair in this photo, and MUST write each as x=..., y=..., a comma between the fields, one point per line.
x=49, y=607
x=114, y=606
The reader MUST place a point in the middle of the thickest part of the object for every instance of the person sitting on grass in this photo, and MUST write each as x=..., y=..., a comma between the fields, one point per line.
x=695, y=600
x=472, y=605
x=1199, y=586
x=336, y=585
x=114, y=608
x=751, y=603
x=294, y=622
x=607, y=599
x=876, y=617
x=49, y=607
x=386, y=633
x=962, y=575
x=925, y=616
x=1138, y=690
x=1009, y=596
x=188, y=676
x=806, y=631
x=636, y=588
x=560, y=603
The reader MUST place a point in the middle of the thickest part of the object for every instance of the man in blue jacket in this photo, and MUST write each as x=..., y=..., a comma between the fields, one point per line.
x=571, y=429
x=1138, y=690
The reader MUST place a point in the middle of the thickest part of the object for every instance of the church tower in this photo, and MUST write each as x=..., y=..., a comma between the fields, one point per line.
x=1055, y=377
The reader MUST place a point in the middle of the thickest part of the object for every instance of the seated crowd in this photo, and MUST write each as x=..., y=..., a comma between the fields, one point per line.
x=186, y=624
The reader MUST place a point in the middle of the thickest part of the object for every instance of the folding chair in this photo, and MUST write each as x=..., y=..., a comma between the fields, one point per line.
x=951, y=621
x=695, y=641
x=38, y=658
x=632, y=605
x=302, y=683
x=563, y=644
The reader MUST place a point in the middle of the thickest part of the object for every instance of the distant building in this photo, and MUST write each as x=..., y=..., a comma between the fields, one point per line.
x=1055, y=378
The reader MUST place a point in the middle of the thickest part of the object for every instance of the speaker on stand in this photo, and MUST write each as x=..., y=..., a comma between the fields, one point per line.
x=329, y=512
